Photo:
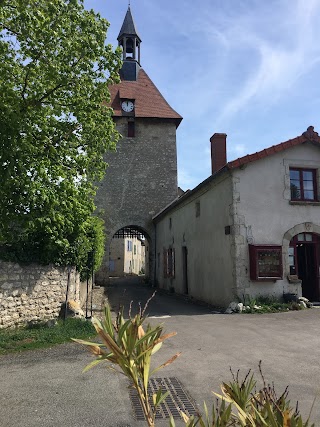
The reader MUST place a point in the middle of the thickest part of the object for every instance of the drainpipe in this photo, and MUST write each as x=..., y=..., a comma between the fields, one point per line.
x=155, y=257
x=92, y=279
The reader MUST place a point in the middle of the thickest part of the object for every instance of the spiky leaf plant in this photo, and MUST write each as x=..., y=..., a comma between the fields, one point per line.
x=130, y=346
x=242, y=406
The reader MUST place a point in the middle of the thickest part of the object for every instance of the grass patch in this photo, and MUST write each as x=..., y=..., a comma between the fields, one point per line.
x=41, y=335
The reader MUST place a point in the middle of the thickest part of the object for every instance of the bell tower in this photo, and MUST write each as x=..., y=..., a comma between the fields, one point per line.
x=130, y=41
x=141, y=178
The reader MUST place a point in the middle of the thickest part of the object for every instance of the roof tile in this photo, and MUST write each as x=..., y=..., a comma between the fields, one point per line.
x=148, y=100
x=310, y=135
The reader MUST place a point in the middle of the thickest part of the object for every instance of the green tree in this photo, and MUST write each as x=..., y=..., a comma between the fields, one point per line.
x=55, y=124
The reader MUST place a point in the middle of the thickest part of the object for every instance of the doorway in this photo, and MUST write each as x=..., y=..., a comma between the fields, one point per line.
x=304, y=253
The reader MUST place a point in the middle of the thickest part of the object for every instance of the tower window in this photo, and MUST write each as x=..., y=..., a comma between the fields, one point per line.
x=131, y=129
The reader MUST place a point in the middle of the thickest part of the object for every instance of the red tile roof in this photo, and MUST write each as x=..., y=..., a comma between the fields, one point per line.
x=310, y=135
x=148, y=100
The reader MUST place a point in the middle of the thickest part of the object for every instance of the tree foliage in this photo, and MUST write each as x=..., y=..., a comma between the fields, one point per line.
x=55, y=124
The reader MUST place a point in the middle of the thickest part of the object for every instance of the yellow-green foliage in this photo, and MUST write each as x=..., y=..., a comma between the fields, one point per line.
x=241, y=405
x=126, y=344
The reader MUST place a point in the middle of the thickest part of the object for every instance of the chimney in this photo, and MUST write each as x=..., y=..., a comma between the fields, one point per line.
x=218, y=151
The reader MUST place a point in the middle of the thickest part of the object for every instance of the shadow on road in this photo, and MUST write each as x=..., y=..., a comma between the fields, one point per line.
x=122, y=291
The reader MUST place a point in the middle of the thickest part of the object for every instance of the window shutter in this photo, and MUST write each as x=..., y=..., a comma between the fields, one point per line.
x=173, y=262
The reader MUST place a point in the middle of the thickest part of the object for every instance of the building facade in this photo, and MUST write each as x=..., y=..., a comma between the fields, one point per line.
x=251, y=229
x=127, y=256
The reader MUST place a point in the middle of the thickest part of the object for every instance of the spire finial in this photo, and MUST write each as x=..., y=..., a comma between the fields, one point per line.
x=129, y=3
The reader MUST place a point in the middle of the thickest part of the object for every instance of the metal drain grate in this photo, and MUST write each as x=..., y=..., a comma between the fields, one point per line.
x=177, y=400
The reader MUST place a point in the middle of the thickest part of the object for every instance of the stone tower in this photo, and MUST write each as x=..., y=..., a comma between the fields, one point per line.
x=142, y=175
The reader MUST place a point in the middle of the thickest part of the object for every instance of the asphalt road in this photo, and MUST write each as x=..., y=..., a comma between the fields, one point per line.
x=47, y=388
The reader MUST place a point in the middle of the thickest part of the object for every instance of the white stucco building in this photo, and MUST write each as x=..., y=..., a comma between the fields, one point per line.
x=252, y=228
x=127, y=255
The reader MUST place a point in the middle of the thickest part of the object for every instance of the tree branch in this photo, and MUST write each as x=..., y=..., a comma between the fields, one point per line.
x=11, y=30
x=27, y=75
x=50, y=92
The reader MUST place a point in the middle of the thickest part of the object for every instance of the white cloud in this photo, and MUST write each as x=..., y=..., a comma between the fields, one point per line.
x=280, y=64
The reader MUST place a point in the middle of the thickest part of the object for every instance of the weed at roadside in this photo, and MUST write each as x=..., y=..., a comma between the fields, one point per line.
x=41, y=336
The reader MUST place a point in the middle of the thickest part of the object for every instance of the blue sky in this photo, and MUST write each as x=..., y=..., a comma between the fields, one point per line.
x=247, y=68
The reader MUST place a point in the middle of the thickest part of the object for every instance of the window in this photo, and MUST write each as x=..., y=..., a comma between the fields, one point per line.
x=169, y=262
x=131, y=129
x=303, y=184
x=129, y=246
x=265, y=262
x=134, y=249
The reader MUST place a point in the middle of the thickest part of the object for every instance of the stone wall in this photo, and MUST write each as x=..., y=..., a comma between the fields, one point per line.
x=141, y=179
x=33, y=293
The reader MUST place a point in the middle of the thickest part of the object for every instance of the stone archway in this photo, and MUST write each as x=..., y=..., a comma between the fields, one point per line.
x=124, y=232
x=129, y=252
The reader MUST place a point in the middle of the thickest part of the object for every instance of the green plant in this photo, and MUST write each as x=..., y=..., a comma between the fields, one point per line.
x=126, y=344
x=268, y=304
x=142, y=271
x=242, y=406
x=90, y=251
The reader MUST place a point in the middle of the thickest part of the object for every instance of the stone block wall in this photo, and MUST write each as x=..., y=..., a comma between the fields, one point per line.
x=33, y=293
x=141, y=179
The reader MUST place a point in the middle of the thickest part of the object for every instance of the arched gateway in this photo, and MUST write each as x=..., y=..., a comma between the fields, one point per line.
x=129, y=252
x=142, y=175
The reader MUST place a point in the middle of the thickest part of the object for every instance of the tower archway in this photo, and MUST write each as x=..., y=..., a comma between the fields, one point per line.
x=129, y=252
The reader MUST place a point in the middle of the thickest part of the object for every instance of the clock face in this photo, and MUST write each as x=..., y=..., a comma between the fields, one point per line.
x=127, y=106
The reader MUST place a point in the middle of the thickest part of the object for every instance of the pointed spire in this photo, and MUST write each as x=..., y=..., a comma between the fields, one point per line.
x=128, y=27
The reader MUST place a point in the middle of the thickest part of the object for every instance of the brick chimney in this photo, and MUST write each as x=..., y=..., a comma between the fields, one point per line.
x=218, y=151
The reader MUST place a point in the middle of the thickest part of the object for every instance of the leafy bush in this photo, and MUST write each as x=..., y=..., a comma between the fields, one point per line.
x=91, y=249
x=267, y=304
x=81, y=249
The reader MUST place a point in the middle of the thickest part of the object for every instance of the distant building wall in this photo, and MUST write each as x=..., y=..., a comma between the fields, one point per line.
x=116, y=257
x=33, y=293
x=134, y=256
x=127, y=256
